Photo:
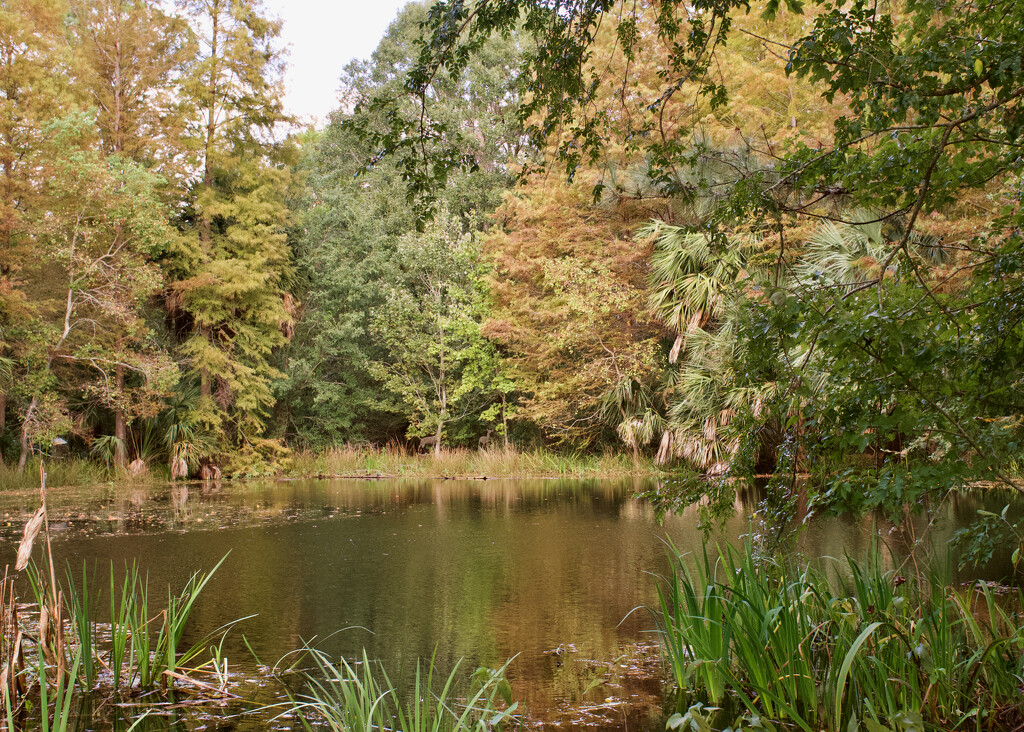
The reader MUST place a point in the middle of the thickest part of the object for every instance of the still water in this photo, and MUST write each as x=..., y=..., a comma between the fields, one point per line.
x=553, y=573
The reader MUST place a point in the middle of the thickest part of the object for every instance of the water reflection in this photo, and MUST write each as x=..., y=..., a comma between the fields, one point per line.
x=549, y=571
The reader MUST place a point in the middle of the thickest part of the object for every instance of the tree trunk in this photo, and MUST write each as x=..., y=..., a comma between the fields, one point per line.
x=3, y=414
x=25, y=446
x=441, y=419
x=504, y=422
x=120, y=431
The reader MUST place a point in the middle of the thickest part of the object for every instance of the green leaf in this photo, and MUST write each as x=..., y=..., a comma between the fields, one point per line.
x=844, y=670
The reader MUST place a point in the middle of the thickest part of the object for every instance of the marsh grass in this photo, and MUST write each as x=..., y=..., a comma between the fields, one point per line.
x=361, y=460
x=360, y=697
x=144, y=648
x=462, y=462
x=68, y=472
x=73, y=472
x=783, y=643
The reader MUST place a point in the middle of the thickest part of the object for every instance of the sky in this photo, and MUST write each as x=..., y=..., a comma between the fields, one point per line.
x=323, y=36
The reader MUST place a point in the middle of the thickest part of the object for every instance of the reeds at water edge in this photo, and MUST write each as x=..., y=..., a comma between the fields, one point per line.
x=60, y=649
x=858, y=648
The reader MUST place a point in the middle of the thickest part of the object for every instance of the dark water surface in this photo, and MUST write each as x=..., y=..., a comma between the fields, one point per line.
x=550, y=572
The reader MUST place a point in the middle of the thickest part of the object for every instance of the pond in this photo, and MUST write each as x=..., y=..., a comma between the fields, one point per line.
x=552, y=573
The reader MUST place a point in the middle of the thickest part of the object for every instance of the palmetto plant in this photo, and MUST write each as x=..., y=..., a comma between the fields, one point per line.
x=105, y=448
x=637, y=408
x=694, y=282
x=698, y=283
x=849, y=254
x=182, y=437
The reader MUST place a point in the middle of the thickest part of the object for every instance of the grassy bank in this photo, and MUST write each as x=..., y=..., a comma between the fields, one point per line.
x=71, y=471
x=462, y=462
x=362, y=461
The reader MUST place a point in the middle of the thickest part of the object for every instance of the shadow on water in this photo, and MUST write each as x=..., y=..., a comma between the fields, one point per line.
x=549, y=571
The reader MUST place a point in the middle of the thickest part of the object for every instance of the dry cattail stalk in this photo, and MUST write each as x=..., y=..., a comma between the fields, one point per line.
x=44, y=634
x=11, y=681
x=12, y=685
x=32, y=529
x=58, y=635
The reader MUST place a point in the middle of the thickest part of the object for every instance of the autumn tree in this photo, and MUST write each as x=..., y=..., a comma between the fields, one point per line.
x=131, y=58
x=230, y=301
x=34, y=83
x=569, y=304
x=97, y=239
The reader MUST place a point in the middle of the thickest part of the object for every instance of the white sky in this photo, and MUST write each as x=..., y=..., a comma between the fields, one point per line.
x=323, y=36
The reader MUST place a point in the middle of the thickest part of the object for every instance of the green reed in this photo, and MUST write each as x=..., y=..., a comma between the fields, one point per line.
x=84, y=626
x=145, y=648
x=358, y=698
x=779, y=642
x=63, y=694
x=124, y=609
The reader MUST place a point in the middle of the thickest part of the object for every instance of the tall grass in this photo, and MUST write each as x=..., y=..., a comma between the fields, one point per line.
x=462, y=462
x=496, y=462
x=144, y=649
x=67, y=472
x=362, y=698
x=75, y=471
x=780, y=642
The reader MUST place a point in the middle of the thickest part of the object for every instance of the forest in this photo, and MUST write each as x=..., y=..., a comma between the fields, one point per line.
x=735, y=240
x=718, y=255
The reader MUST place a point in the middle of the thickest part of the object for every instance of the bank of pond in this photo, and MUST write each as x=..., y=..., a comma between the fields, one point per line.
x=446, y=606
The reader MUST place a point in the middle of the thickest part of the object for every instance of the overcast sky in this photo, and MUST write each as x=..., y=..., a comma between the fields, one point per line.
x=323, y=36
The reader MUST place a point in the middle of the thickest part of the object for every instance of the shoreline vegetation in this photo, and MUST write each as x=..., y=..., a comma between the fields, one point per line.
x=362, y=462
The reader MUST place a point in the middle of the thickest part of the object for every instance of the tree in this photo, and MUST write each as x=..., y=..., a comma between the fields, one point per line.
x=568, y=306
x=437, y=362
x=352, y=220
x=131, y=58
x=34, y=82
x=472, y=125
x=98, y=236
x=230, y=292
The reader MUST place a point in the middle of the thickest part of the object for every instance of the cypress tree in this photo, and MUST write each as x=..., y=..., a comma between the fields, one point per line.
x=131, y=56
x=232, y=301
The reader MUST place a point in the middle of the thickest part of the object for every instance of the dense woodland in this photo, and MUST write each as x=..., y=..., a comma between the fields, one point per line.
x=737, y=239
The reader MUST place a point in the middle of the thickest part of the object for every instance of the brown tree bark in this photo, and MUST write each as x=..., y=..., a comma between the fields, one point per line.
x=120, y=428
